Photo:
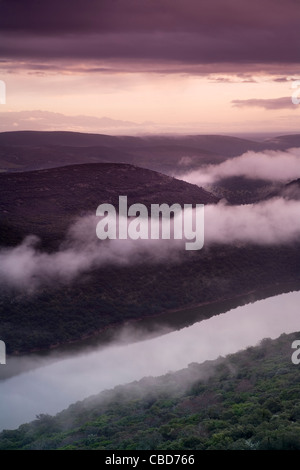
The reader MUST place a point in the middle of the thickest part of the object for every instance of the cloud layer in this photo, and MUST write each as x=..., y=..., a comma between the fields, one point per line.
x=26, y=267
x=60, y=16
x=268, y=104
x=269, y=165
x=165, y=32
x=272, y=222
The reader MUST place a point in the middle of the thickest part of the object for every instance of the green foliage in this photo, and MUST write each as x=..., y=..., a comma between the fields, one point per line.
x=206, y=406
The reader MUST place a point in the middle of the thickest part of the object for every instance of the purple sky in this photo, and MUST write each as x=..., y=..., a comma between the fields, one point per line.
x=140, y=46
x=190, y=32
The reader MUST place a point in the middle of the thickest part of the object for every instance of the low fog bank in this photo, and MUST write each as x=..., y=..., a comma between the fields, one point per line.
x=51, y=388
x=26, y=267
x=271, y=222
x=270, y=165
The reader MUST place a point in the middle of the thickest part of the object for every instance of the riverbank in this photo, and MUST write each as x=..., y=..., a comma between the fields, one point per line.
x=55, y=383
x=163, y=322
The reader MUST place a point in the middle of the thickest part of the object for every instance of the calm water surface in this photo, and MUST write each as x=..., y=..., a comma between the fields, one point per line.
x=53, y=386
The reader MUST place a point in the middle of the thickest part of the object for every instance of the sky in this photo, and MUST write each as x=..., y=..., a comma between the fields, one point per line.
x=206, y=66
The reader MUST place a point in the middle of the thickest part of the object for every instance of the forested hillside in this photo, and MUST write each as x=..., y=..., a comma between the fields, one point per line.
x=248, y=400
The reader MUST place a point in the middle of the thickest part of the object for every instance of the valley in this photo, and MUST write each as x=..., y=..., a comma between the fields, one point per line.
x=52, y=304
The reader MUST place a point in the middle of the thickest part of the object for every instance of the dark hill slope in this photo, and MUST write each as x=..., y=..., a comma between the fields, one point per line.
x=290, y=190
x=45, y=202
x=283, y=142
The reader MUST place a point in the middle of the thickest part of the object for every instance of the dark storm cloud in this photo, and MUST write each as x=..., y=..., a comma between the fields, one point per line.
x=66, y=16
x=167, y=31
x=188, y=47
x=280, y=79
x=268, y=104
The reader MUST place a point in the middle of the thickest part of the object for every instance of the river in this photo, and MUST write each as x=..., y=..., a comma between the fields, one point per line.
x=56, y=382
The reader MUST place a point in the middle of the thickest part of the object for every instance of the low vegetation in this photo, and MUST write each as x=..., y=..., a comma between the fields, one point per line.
x=248, y=400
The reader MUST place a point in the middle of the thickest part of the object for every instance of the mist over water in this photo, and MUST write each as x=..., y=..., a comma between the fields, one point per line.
x=51, y=388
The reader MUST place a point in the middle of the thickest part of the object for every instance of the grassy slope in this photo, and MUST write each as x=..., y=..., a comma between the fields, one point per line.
x=248, y=400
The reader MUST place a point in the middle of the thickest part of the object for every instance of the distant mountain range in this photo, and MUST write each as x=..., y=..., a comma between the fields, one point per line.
x=31, y=150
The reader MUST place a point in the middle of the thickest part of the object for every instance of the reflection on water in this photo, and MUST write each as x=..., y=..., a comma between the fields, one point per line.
x=54, y=386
